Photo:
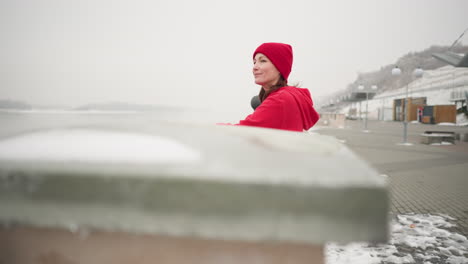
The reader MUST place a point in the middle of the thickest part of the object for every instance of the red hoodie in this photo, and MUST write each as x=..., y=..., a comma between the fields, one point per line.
x=287, y=108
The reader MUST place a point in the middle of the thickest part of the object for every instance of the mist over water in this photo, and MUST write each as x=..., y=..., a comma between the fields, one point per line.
x=199, y=54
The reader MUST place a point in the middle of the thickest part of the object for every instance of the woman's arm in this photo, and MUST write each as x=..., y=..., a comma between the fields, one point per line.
x=269, y=114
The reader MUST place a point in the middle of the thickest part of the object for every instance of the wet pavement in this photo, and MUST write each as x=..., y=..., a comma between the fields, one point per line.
x=423, y=179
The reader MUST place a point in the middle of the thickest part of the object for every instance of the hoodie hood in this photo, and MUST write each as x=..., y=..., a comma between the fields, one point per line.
x=287, y=108
x=305, y=104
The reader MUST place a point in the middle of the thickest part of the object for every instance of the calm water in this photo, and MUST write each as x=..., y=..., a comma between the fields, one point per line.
x=12, y=123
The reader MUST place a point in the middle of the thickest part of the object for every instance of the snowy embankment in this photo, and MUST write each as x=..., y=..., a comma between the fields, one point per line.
x=413, y=239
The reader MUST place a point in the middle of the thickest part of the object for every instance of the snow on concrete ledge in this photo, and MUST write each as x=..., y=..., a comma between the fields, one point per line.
x=85, y=145
x=222, y=182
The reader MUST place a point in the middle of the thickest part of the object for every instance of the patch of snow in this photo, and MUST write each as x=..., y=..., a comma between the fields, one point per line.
x=405, y=144
x=352, y=253
x=414, y=238
x=443, y=143
x=445, y=124
x=86, y=145
x=385, y=177
x=458, y=238
x=457, y=260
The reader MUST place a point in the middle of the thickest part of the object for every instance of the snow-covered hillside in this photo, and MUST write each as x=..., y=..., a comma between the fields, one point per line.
x=440, y=87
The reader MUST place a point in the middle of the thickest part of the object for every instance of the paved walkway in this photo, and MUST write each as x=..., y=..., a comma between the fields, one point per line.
x=423, y=178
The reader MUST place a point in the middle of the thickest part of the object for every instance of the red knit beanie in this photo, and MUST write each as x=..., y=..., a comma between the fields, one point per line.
x=280, y=55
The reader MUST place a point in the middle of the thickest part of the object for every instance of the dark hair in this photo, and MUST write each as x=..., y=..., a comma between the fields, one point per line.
x=262, y=95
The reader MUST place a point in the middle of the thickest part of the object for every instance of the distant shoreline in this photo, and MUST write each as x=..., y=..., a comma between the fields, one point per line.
x=64, y=111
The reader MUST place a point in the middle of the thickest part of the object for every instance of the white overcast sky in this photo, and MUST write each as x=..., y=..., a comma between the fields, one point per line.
x=199, y=53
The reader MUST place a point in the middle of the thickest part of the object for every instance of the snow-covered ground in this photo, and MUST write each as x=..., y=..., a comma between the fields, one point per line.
x=414, y=238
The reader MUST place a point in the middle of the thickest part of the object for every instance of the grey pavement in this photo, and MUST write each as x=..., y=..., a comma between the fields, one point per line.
x=422, y=178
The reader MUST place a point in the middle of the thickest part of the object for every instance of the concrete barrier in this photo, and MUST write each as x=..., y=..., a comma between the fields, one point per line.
x=179, y=193
x=438, y=137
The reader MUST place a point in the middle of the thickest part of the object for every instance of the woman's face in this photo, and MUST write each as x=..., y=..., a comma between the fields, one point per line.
x=265, y=73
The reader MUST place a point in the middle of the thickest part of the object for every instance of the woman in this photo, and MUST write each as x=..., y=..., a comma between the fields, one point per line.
x=282, y=106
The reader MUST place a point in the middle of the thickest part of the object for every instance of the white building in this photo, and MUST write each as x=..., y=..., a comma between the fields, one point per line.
x=442, y=86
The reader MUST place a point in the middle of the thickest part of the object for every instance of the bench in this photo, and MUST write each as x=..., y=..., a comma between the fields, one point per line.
x=437, y=137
